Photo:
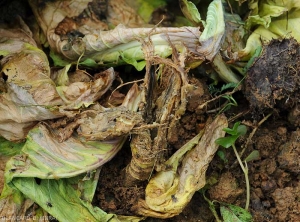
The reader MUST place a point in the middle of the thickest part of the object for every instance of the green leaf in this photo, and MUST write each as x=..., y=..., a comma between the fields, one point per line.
x=222, y=156
x=211, y=206
x=58, y=60
x=146, y=8
x=227, y=142
x=254, y=155
x=190, y=11
x=91, y=63
x=8, y=148
x=232, y=213
x=138, y=65
x=228, y=86
x=234, y=130
x=257, y=53
x=237, y=129
x=181, y=21
x=88, y=185
x=241, y=130
x=56, y=197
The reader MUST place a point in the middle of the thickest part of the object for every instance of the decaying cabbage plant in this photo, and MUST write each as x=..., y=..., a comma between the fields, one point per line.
x=163, y=105
x=69, y=135
x=148, y=145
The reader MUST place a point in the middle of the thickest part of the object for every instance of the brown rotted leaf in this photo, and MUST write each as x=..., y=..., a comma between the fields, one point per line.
x=103, y=124
x=30, y=95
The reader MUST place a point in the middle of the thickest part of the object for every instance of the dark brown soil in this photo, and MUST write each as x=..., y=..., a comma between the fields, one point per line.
x=273, y=81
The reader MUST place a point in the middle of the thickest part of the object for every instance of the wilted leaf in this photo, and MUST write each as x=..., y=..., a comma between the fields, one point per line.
x=106, y=47
x=62, y=78
x=169, y=191
x=31, y=95
x=104, y=124
x=44, y=157
x=214, y=30
x=83, y=94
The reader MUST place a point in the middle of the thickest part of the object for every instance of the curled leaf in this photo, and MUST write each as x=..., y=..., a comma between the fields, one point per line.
x=168, y=192
x=190, y=11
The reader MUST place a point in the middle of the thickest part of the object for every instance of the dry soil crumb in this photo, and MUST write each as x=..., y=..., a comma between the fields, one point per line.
x=226, y=190
x=288, y=158
x=287, y=204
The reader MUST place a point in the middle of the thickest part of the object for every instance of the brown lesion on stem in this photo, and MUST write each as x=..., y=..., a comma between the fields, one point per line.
x=165, y=91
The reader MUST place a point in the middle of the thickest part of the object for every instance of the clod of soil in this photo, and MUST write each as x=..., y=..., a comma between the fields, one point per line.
x=293, y=116
x=289, y=157
x=226, y=190
x=273, y=81
x=287, y=203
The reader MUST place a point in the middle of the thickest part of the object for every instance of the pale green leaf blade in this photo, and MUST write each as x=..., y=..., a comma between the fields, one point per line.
x=56, y=197
x=8, y=148
x=254, y=155
x=190, y=11
x=214, y=29
x=43, y=156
